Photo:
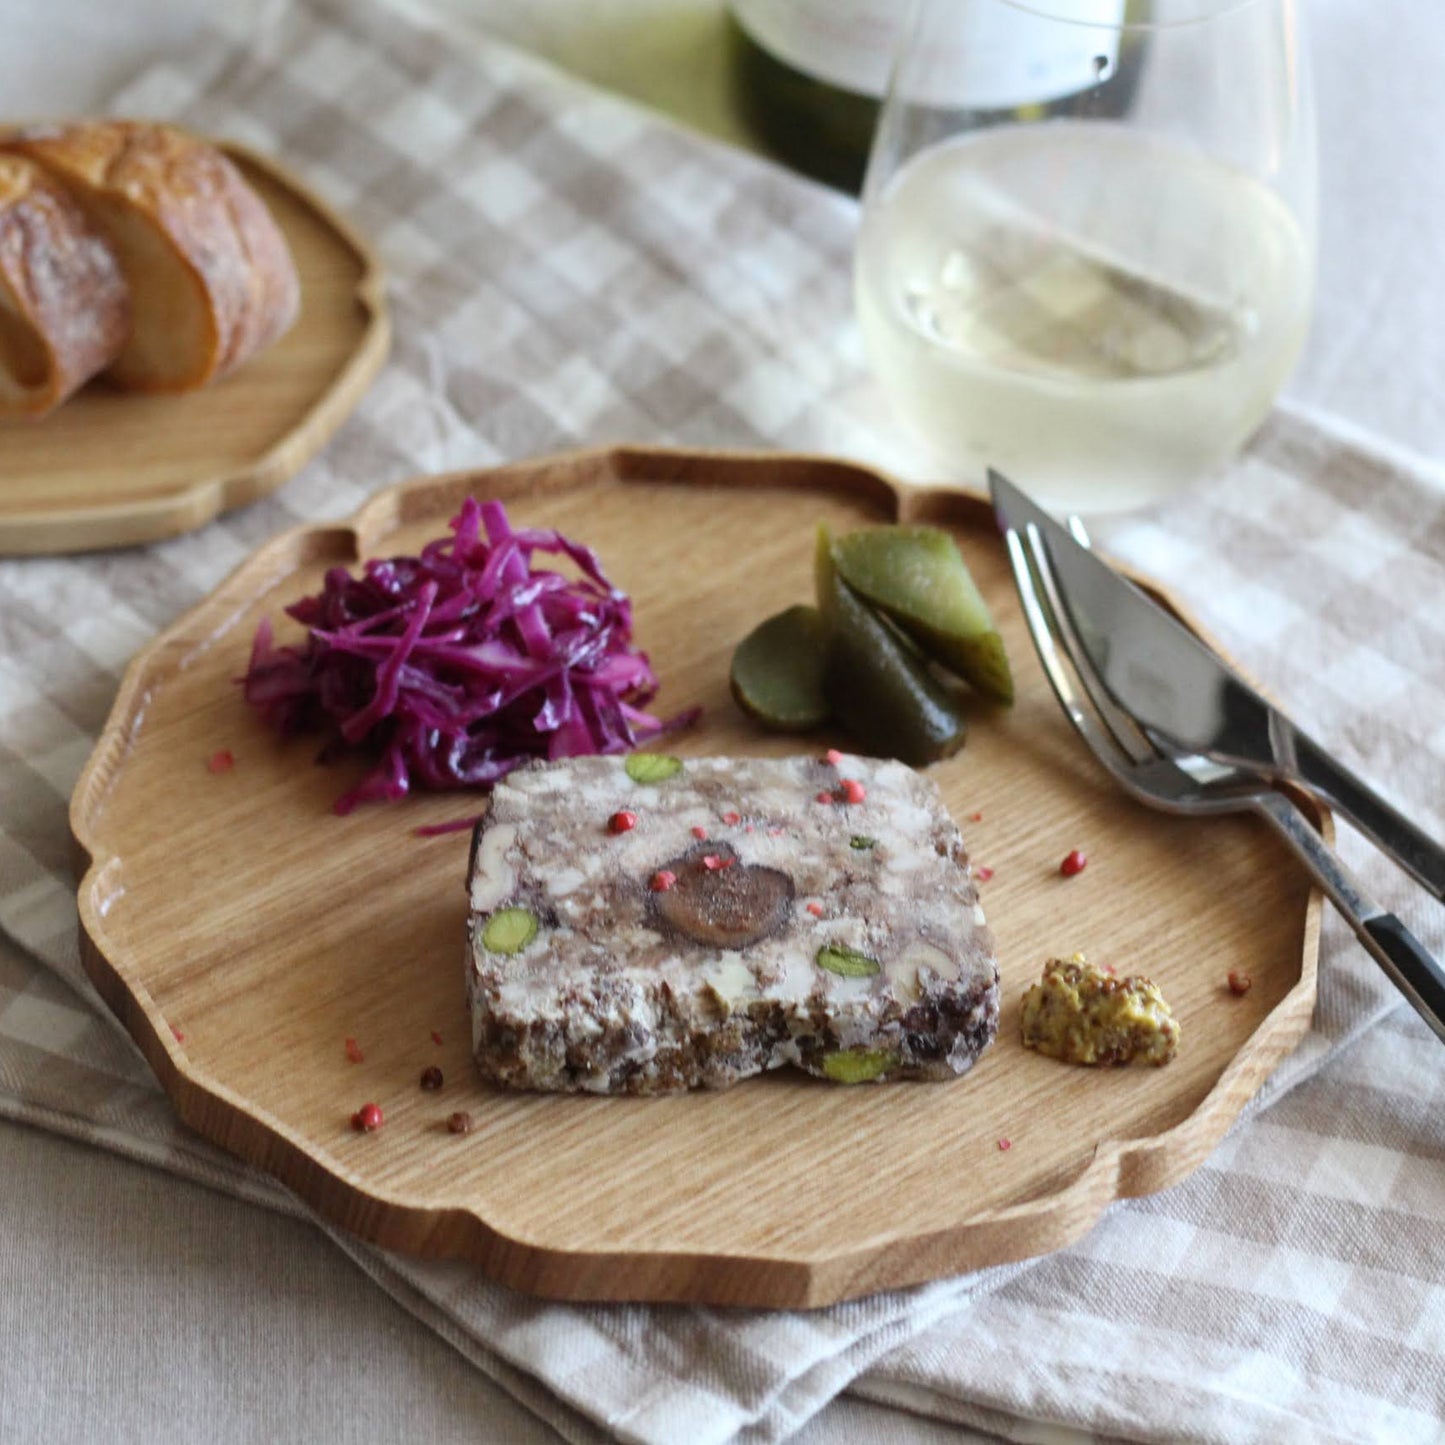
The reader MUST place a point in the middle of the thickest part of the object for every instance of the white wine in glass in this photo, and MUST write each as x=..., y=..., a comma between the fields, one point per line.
x=1103, y=306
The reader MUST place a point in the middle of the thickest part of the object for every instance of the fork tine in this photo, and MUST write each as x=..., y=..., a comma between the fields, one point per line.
x=1127, y=733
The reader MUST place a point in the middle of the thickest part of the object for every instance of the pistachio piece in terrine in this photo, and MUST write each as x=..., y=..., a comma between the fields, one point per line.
x=643, y=924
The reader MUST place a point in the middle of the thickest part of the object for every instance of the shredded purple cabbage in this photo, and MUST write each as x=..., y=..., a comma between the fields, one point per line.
x=457, y=666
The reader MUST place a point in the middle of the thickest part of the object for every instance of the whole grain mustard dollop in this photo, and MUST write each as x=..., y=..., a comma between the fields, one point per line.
x=1081, y=1014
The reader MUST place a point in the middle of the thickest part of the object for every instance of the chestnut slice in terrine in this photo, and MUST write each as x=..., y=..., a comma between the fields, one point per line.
x=647, y=924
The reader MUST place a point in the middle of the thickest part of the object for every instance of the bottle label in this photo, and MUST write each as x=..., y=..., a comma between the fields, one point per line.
x=998, y=56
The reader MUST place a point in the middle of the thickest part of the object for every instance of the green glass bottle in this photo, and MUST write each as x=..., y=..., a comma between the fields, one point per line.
x=809, y=77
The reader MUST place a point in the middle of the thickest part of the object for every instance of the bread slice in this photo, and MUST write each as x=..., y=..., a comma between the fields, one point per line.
x=211, y=279
x=64, y=308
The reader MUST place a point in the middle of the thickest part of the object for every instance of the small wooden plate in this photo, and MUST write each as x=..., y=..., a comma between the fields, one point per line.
x=243, y=933
x=113, y=468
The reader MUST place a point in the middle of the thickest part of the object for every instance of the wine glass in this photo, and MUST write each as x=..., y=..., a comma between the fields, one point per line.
x=1087, y=249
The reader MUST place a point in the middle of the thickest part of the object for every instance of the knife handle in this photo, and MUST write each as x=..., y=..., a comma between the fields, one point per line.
x=1411, y=966
x=1389, y=830
x=1415, y=972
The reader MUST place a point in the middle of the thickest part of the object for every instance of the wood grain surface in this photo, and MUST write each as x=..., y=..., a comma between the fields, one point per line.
x=243, y=933
x=111, y=468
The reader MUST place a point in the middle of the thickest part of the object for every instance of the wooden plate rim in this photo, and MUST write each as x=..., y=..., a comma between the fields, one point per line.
x=192, y=504
x=1120, y=1168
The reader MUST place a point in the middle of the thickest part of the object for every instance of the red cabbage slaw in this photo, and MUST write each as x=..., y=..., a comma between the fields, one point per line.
x=461, y=664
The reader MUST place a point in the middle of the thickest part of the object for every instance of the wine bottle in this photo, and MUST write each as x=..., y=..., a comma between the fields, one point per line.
x=809, y=75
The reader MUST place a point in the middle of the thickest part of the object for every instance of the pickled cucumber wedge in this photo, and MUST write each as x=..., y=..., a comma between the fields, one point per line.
x=916, y=577
x=777, y=671
x=883, y=694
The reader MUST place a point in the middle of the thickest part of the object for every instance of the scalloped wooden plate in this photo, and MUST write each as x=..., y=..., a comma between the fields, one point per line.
x=112, y=468
x=243, y=932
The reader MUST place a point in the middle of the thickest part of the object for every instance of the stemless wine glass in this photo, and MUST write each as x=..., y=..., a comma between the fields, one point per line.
x=1087, y=248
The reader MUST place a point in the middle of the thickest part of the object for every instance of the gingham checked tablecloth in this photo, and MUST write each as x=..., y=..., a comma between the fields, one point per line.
x=567, y=269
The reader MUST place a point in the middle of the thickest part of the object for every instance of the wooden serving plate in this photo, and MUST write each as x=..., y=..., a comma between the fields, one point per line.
x=112, y=468
x=243, y=932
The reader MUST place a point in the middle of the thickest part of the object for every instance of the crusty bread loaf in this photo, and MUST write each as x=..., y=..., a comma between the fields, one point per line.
x=64, y=309
x=211, y=279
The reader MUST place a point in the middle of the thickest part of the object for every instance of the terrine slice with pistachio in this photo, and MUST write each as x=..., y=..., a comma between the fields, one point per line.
x=649, y=924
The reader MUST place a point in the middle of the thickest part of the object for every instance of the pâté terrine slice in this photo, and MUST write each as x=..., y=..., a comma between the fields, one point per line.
x=646, y=924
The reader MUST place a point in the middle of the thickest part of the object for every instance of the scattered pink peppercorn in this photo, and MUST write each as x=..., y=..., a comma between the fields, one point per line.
x=776, y=832
x=431, y=1079
x=221, y=761
x=833, y=756
x=1074, y=863
x=662, y=880
x=824, y=797
x=368, y=1119
x=622, y=822
x=1004, y=1145
x=436, y=1037
x=1239, y=983
x=180, y=1037
x=353, y=1051
x=715, y=863
x=748, y=829
x=975, y=817
x=699, y=831
x=983, y=872
x=816, y=909
x=853, y=791
x=460, y=1122
x=732, y=819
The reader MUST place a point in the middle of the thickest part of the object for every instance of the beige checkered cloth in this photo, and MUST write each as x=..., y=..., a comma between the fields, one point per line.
x=566, y=269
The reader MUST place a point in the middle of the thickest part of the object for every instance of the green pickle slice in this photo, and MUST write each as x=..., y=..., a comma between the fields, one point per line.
x=777, y=671
x=858, y=1066
x=916, y=577
x=652, y=767
x=879, y=690
x=847, y=962
x=509, y=930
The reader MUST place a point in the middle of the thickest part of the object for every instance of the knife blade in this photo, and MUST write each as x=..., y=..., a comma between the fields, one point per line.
x=1160, y=672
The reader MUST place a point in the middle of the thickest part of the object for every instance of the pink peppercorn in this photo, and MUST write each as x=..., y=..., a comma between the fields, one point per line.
x=1004, y=1145
x=436, y=1037
x=824, y=797
x=853, y=790
x=714, y=863
x=368, y=1119
x=221, y=761
x=833, y=756
x=353, y=1051
x=732, y=819
x=662, y=880
x=1074, y=863
x=816, y=909
x=983, y=872
x=623, y=822
x=699, y=831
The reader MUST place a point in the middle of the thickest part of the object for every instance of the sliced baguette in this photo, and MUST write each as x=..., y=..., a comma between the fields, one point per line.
x=64, y=309
x=211, y=279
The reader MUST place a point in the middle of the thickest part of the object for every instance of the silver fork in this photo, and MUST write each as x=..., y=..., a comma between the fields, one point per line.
x=1162, y=776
